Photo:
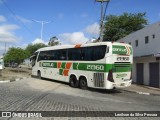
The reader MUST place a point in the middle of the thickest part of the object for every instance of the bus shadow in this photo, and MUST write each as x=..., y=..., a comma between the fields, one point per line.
x=50, y=80
x=104, y=91
x=56, y=81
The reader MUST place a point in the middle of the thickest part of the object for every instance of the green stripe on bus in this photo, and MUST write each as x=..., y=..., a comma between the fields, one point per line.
x=61, y=71
x=49, y=64
x=75, y=66
x=91, y=67
x=63, y=65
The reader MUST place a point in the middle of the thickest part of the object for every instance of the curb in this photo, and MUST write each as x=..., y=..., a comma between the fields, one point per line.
x=142, y=93
x=6, y=81
x=148, y=87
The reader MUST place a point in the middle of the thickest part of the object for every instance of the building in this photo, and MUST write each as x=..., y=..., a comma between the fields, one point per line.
x=146, y=52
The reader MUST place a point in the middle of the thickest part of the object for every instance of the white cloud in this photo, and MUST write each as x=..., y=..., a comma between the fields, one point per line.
x=24, y=20
x=84, y=15
x=73, y=38
x=38, y=40
x=2, y=18
x=93, y=29
x=60, y=15
x=6, y=33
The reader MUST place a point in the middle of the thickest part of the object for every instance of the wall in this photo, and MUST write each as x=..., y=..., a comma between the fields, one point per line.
x=145, y=61
x=145, y=49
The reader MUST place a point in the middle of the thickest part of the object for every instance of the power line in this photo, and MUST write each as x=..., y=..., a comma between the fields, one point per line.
x=13, y=13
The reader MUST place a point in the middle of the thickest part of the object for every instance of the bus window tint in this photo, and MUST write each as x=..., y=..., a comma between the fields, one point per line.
x=83, y=54
x=87, y=53
x=45, y=55
x=62, y=54
x=54, y=55
x=74, y=54
x=92, y=53
x=99, y=52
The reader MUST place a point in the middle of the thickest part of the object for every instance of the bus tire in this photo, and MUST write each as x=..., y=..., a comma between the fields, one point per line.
x=39, y=74
x=83, y=83
x=73, y=81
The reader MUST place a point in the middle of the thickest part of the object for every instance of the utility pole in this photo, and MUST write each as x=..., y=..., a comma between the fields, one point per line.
x=102, y=17
x=5, y=48
x=42, y=24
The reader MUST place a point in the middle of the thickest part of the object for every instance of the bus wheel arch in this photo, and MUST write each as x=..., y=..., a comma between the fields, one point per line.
x=39, y=74
x=73, y=82
x=83, y=82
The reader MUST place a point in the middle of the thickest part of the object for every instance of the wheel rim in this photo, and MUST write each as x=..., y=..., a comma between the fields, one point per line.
x=72, y=82
x=83, y=83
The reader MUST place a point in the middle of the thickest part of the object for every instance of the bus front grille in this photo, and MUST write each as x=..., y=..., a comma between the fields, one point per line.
x=98, y=79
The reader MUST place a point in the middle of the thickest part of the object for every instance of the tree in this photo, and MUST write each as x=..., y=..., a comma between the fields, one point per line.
x=15, y=55
x=117, y=27
x=31, y=48
x=53, y=41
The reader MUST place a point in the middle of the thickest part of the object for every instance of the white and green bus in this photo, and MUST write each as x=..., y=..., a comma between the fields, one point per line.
x=103, y=65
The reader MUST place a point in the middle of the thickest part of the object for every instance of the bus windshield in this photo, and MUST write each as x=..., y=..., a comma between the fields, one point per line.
x=33, y=59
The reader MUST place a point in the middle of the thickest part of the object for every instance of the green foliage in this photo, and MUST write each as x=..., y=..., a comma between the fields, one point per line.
x=31, y=48
x=117, y=27
x=53, y=41
x=17, y=55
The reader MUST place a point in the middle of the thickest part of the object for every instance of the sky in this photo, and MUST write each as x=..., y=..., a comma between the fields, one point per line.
x=72, y=21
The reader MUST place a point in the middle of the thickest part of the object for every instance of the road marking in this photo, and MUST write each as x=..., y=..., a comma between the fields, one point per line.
x=144, y=93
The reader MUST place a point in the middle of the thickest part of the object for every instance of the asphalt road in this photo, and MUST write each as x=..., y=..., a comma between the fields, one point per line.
x=33, y=94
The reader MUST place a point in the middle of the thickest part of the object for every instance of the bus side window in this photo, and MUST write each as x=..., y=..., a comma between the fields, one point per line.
x=62, y=54
x=53, y=55
x=83, y=53
x=99, y=52
x=69, y=54
x=74, y=54
x=89, y=54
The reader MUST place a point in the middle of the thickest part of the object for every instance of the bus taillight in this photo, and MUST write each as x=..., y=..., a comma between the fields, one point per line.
x=110, y=76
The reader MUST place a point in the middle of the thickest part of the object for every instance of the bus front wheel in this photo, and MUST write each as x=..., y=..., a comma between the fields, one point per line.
x=83, y=83
x=73, y=82
x=39, y=74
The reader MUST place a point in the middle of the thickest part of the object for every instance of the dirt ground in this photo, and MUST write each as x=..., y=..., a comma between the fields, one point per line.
x=14, y=73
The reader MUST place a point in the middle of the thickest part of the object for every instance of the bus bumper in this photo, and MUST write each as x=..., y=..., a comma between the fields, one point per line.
x=111, y=85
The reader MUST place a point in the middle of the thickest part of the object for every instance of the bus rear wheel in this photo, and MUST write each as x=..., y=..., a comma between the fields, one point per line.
x=83, y=83
x=73, y=81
